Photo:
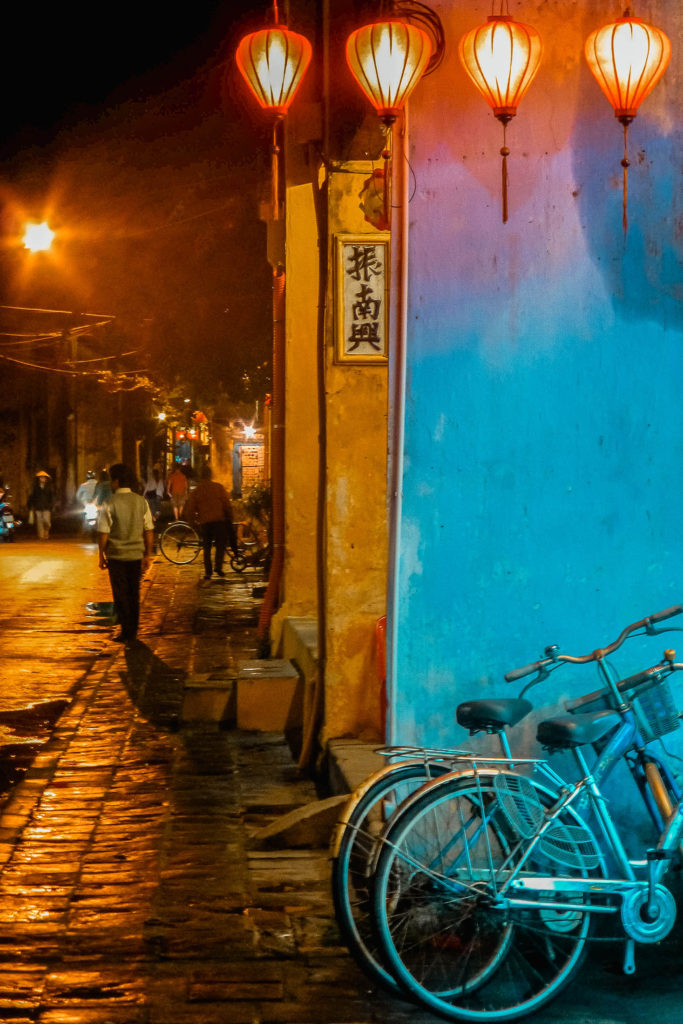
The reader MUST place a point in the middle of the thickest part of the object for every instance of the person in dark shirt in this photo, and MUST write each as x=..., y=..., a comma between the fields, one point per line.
x=209, y=505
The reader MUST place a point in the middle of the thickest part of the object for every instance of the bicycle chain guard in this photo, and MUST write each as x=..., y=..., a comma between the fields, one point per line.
x=635, y=925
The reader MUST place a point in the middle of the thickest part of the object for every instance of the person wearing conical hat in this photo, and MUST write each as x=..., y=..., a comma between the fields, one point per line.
x=40, y=502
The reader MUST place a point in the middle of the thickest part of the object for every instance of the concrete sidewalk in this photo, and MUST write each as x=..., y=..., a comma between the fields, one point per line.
x=132, y=891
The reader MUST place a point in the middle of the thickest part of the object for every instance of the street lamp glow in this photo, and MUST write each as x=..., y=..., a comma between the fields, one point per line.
x=38, y=237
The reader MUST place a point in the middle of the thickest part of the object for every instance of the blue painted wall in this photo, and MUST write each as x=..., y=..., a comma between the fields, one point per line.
x=544, y=418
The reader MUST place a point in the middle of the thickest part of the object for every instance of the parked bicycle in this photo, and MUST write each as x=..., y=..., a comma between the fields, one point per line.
x=180, y=543
x=369, y=808
x=250, y=555
x=489, y=880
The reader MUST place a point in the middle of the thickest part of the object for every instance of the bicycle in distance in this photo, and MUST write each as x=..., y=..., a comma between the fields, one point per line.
x=180, y=543
x=475, y=884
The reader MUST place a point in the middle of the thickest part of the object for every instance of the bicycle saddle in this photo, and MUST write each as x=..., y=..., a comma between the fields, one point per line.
x=492, y=714
x=575, y=730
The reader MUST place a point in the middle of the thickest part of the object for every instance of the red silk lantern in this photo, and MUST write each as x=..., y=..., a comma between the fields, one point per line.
x=627, y=59
x=273, y=63
x=502, y=58
x=387, y=60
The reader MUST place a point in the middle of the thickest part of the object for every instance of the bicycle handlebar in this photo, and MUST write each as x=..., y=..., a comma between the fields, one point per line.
x=599, y=653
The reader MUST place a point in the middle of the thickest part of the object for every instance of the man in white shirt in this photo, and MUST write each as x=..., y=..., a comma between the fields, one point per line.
x=125, y=541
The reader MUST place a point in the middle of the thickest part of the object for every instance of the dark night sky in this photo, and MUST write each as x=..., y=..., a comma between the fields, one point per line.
x=130, y=123
x=71, y=59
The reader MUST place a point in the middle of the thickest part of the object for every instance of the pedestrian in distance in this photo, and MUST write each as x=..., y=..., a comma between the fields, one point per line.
x=86, y=491
x=103, y=489
x=125, y=541
x=40, y=503
x=178, y=488
x=210, y=505
x=85, y=495
x=155, y=491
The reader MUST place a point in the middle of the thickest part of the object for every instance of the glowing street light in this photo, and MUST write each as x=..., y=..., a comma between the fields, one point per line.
x=38, y=237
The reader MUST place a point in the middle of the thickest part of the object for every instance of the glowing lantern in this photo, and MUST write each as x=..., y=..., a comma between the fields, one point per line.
x=502, y=58
x=627, y=59
x=387, y=59
x=273, y=63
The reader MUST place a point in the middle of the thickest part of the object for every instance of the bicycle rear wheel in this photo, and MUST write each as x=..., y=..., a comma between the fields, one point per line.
x=180, y=543
x=356, y=843
x=238, y=562
x=444, y=934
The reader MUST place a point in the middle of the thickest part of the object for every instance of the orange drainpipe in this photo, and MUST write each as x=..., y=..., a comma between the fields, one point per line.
x=277, y=451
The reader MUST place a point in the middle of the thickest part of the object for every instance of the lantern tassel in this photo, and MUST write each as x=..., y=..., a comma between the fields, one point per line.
x=505, y=153
x=625, y=164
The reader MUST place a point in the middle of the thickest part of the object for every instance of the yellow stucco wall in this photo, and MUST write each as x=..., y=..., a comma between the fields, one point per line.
x=356, y=505
x=301, y=410
x=356, y=508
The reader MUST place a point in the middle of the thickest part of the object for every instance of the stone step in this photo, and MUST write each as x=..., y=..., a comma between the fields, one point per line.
x=269, y=695
x=209, y=698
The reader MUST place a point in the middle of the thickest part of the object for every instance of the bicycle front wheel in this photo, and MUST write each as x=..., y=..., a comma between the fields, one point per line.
x=356, y=844
x=180, y=543
x=446, y=935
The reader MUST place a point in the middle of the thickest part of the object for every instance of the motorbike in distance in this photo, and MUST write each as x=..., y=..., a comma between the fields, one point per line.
x=8, y=524
x=90, y=519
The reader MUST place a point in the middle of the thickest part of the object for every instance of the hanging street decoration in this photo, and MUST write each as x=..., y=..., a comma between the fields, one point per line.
x=627, y=59
x=387, y=60
x=502, y=58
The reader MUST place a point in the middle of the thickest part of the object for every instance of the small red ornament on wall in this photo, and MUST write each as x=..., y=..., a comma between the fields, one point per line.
x=372, y=200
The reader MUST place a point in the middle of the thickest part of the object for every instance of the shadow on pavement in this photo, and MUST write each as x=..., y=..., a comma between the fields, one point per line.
x=154, y=687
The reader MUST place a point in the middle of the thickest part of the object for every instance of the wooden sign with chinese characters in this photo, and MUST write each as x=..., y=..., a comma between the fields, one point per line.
x=362, y=284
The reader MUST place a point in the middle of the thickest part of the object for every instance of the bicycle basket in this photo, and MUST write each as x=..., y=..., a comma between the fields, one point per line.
x=656, y=712
x=571, y=845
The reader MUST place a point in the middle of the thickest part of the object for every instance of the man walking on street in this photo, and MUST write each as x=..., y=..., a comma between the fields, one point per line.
x=210, y=503
x=125, y=540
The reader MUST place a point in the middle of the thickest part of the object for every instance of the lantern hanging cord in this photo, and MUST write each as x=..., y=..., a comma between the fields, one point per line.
x=275, y=172
x=625, y=164
x=505, y=153
x=386, y=156
x=429, y=21
x=504, y=8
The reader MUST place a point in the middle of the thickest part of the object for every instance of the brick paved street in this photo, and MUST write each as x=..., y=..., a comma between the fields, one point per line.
x=132, y=891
